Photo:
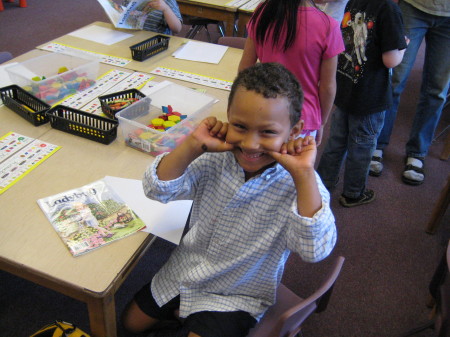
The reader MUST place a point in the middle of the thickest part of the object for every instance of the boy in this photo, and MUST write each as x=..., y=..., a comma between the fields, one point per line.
x=429, y=20
x=164, y=16
x=374, y=42
x=256, y=198
x=165, y=19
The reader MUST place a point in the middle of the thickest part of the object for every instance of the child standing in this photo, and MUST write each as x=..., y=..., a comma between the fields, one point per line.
x=306, y=41
x=374, y=42
x=162, y=16
x=333, y=8
x=256, y=198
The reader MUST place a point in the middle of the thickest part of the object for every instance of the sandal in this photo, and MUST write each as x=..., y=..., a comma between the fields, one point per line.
x=413, y=173
x=376, y=165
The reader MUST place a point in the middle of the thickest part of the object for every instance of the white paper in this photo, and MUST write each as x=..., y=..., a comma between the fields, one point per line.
x=163, y=220
x=201, y=52
x=100, y=35
x=4, y=76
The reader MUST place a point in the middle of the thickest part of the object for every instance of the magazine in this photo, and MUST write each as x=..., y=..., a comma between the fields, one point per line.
x=89, y=217
x=127, y=14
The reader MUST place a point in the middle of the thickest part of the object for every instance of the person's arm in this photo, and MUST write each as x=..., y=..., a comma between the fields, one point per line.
x=172, y=20
x=327, y=91
x=298, y=157
x=249, y=56
x=209, y=136
x=393, y=58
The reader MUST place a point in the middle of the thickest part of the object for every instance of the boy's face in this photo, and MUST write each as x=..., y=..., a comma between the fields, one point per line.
x=258, y=125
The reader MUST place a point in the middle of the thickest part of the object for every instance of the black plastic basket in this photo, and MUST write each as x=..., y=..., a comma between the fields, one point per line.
x=107, y=99
x=150, y=47
x=25, y=104
x=83, y=124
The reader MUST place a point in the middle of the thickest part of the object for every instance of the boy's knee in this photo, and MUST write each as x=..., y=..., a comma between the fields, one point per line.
x=135, y=320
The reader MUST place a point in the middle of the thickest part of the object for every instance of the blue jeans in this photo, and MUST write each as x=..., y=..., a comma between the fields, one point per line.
x=435, y=78
x=353, y=138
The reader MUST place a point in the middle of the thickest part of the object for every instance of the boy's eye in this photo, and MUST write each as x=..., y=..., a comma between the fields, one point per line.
x=269, y=132
x=239, y=126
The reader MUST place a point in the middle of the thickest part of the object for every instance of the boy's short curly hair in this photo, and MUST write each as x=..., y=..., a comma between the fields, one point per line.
x=271, y=80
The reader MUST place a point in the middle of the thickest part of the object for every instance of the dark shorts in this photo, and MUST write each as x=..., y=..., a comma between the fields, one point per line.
x=204, y=323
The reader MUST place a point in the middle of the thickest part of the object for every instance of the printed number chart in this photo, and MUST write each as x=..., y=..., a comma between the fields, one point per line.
x=103, y=58
x=113, y=81
x=194, y=78
x=19, y=155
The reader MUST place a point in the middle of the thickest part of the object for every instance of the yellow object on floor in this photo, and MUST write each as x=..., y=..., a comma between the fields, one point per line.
x=60, y=329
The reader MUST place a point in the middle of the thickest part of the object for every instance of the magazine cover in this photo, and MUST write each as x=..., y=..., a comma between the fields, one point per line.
x=127, y=14
x=89, y=217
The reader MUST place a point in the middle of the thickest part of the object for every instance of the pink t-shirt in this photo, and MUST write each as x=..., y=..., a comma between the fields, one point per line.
x=318, y=37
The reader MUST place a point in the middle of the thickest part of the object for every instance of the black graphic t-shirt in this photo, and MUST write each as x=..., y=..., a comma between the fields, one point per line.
x=369, y=28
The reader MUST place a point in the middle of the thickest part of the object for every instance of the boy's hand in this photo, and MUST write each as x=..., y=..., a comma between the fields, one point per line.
x=297, y=154
x=159, y=5
x=210, y=135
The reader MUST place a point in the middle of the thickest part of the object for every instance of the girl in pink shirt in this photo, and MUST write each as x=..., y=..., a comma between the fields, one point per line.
x=305, y=40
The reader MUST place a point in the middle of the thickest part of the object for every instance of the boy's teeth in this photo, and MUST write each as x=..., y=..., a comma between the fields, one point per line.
x=255, y=155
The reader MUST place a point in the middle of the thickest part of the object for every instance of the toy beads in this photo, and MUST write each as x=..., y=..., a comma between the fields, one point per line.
x=153, y=139
x=55, y=89
x=168, y=119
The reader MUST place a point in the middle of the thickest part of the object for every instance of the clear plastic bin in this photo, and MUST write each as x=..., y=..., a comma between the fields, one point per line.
x=134, y=120
x=42, y=76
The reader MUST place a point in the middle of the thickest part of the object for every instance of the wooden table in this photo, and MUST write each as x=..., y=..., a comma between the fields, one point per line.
x=29, y=246
x=211, y=9
x=245, y=12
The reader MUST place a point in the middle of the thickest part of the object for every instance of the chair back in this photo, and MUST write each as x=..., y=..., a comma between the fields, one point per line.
x=285, y=317
x=232, y=41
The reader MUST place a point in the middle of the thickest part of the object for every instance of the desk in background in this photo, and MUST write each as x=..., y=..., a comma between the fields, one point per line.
x=211, y=9
x=245, y=12
x=29, y=246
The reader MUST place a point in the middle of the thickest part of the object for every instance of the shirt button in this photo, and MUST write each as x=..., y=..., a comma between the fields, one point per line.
x=268, y=177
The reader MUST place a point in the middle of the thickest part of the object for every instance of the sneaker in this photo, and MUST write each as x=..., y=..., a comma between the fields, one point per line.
x=366, y=197
x=413, y=173
x=376, y=165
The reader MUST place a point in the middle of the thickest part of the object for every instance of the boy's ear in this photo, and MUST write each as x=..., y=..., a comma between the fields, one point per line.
x=297, y=129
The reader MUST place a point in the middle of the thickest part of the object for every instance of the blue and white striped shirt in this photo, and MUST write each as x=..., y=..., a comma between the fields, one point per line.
x=241, y=233
x=155, y=21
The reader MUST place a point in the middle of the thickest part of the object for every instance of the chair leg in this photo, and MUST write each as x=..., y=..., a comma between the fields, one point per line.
x=23, y=3
x=193, y=31
x=221, y=28
x=207, y=33
x=445, y=154
x=1, y=5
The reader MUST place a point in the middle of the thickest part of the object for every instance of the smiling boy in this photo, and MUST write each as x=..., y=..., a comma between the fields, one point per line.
x=256, y=198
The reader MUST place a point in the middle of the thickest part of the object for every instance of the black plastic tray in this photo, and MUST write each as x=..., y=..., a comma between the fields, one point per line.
x=83, y=124
x=106, y=99
x=25, y=104
x=150, y=47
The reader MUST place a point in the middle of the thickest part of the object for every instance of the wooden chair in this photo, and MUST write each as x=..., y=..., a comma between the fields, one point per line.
x=440, y=293
x=439, y=209
x=231, y=41
x=286, y=316
x=22, y=3
x=197, y=24
x=5, y=56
